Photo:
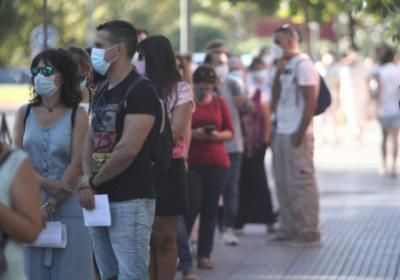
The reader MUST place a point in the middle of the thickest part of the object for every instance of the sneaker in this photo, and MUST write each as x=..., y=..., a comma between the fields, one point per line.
x=305, y=242
x=230, y=238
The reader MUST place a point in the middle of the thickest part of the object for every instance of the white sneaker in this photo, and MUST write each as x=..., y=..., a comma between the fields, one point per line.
x=230, y=238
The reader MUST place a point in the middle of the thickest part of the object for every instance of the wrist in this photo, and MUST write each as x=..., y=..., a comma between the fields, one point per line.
x=92, y=182
x=49, y=208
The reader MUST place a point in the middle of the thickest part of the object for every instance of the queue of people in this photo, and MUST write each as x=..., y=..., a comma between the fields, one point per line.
x=85, y=138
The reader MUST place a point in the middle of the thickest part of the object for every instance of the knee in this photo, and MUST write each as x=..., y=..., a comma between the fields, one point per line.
x=164, y=241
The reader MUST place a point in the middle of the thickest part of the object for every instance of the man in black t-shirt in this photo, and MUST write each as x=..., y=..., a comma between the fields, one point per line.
x=117, y=162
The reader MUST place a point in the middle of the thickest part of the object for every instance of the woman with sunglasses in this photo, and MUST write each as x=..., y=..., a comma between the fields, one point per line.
x=52, y=129
x=157, y=62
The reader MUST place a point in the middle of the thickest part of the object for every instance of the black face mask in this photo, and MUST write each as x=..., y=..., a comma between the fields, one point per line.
x=199, y=92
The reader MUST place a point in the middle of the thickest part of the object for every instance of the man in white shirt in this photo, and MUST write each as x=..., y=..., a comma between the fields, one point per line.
x=295, y=91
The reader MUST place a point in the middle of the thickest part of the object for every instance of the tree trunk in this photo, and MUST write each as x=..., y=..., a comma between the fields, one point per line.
x=307, y=37
x=352, y=26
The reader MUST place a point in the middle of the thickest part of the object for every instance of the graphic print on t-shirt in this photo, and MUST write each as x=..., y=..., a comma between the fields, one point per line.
x=104, y=125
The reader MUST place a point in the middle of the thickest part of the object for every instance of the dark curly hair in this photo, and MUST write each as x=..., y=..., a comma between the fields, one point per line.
x=160, y=62
x=63, y=62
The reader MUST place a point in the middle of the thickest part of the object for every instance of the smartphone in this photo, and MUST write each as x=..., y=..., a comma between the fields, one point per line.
x=209, y=128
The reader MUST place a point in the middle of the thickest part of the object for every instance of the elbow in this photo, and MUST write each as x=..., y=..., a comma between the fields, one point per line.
x=29, y=235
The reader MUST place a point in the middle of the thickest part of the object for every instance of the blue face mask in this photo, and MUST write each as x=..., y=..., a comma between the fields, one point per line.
x=98, y=62
x=45, y=86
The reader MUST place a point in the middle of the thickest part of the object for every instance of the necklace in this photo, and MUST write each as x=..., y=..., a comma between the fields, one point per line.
x=50, y=108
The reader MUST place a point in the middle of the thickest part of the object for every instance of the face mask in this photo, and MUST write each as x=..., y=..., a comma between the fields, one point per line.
x=82, y=84
x=222, y=71
x=98, y=62
x=260, y=75
x=236, y=74
x=276, y=51
x=199, y=92
x=268, y=59
x=45, y=86
x=141, y=67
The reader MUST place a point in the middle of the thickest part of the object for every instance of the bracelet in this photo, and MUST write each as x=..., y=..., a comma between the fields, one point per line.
x=49, y=208
x=91, y=180
x=85, y=188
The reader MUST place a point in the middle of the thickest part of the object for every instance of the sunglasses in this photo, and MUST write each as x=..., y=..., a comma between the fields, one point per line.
x=45, y=71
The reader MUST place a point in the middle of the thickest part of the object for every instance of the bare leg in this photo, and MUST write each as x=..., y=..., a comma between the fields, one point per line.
x=394, y=135
x=384, y=150
x=163, y=244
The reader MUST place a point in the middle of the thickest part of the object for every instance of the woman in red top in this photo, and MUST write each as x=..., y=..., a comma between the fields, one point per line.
x=208, y=159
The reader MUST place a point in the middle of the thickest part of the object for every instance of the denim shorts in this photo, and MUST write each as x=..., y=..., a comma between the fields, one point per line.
x=123, y=249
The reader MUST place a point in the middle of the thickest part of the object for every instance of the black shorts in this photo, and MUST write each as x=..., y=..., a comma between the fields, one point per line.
x=171, y=190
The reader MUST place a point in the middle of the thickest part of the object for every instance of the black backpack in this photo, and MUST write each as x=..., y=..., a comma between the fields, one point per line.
x=324, y=95
x=161, y=134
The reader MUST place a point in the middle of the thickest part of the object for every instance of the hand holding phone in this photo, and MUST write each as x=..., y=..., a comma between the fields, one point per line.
x=209, y=128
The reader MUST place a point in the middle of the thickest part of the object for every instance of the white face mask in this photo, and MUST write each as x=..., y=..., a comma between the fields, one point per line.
x=260, y=75
x=45, y=86
x=222, y=71
x=141, y=67
x=268, y=59
x=100, y=65
x=276, y=51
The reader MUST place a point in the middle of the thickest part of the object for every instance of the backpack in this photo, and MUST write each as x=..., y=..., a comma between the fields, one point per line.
x=161, y=134
x=324, y=95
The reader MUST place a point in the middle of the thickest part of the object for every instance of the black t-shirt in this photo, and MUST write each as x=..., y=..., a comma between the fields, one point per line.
x=136, y=181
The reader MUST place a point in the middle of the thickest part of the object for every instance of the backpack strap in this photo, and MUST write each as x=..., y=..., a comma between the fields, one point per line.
x=123, y=104
x=296, y=65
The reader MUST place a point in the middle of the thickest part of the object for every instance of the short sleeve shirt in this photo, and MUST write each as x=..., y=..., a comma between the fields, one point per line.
x=182, y=94
x=299, y=71
x=136, y=181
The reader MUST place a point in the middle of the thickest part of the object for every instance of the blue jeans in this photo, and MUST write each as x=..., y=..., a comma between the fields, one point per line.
x=231, y=190
x=123, y=249
x=182, y=240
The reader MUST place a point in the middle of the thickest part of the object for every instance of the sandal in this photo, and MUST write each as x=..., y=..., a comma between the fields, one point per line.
x=205, y=263
x=189, y=275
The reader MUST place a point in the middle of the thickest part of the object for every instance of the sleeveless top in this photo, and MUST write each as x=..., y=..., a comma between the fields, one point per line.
x=50, y=149
x=13, y=250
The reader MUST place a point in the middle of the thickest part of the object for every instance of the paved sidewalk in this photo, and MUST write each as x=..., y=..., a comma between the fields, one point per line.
x=360, y=222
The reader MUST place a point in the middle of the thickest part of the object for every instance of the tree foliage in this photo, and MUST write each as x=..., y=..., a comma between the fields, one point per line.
x=232, y=20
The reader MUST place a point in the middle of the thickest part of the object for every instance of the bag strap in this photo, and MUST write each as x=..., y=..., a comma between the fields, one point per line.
x=5, y=134
x=301, y=59
x=29, y=107
x=123, y=104
x=27, y=112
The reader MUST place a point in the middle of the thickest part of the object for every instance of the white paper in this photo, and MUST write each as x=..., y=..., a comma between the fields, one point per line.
x=54, y=235
x=100, y=216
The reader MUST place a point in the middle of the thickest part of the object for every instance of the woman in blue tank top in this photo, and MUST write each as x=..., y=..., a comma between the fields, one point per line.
x=52, y=129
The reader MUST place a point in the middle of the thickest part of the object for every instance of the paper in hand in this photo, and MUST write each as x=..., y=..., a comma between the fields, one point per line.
x=100, y=216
